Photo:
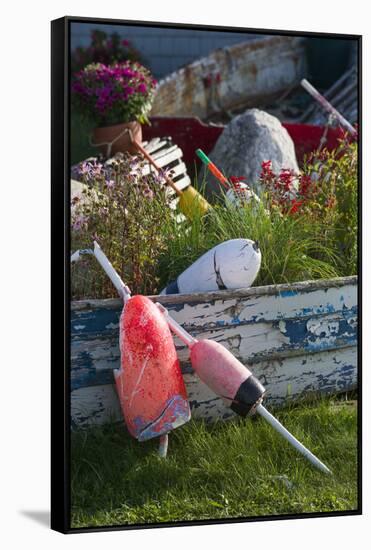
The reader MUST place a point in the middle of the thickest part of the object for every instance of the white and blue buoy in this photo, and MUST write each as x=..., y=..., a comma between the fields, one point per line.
x=229, y=265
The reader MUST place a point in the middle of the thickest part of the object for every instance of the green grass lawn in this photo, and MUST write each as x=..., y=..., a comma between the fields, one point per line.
x=241, y=468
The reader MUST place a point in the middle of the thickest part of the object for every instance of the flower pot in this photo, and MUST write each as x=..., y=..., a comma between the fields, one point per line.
x=114, y=139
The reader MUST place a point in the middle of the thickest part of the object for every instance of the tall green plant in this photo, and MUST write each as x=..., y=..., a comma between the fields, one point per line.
x=335, y=174
x=293, y=249
x=124, y=211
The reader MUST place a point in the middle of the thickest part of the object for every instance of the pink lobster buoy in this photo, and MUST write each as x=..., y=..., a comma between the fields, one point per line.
x=149, y=383
x=223, y=373
x=226, y=376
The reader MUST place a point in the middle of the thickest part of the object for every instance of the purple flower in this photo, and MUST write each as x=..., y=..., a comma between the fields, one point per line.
x=79, y=222
x=128, y=90
x=102, y=91
x=84, y=168
x=110, y=183
x=148, y=193
x=96, y=169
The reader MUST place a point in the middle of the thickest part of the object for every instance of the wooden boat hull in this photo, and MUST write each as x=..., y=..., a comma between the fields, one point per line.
x=298, y=339
x=248, y=74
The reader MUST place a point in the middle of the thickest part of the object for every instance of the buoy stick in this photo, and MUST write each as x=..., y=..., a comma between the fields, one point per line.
x=115, y=278
x=291, y=439
x=146, y=155
x=213, y=169
x=164, y=442
x=75, y=257
x=190, y=341
x=121, y=287
x=327, y=106
x=176, y=327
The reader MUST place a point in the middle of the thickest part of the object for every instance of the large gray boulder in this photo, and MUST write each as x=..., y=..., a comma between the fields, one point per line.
x=247, y=141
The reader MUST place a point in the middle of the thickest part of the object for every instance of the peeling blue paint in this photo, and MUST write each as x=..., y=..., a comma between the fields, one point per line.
x=288, y=293
x=332, y=326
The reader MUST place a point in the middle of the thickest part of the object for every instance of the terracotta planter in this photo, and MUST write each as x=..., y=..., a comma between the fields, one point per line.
x=120, y=140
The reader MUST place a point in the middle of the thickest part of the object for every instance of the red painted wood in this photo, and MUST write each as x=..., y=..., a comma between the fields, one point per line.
x=191, y=134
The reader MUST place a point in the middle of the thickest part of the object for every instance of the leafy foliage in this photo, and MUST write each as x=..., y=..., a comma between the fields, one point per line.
x=121, y=209
x=103, y=48
x=315, y=240
x=292, y=249
x=324, y=194
x=111, y=94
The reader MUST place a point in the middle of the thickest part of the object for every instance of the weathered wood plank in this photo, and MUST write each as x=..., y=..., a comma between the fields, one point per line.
x=94, y=355
x=182, y=183
x=163, y=161
x=153, y=144
x=224, y=308
x=287, y=380
x=197, y=297
x=297, y=338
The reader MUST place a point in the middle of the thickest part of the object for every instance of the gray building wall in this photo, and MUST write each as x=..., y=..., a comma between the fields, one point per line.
x=164, y=50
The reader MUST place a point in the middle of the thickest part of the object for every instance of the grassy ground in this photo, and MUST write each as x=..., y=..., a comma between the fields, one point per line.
x=235, y=469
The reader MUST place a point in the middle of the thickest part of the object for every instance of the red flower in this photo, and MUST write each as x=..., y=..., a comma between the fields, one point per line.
x=304, y=185
x=236, y=179
x=266, y=168
x=286, y=179
x=295, y=205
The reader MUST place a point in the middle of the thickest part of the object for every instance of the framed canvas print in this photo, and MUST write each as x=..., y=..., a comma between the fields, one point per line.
x=205, y=296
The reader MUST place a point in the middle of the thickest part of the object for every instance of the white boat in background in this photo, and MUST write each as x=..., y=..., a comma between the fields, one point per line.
x=248, y=74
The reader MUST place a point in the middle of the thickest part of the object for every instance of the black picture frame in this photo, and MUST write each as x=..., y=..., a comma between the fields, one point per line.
x=60, y=273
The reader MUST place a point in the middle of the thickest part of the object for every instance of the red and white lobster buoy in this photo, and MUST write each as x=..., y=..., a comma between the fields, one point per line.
x=149, y=382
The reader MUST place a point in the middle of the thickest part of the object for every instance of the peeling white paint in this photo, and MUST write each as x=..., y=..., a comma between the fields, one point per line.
x=286, y=380
x=260, y=329
x=323, y=327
